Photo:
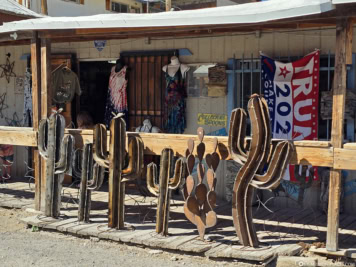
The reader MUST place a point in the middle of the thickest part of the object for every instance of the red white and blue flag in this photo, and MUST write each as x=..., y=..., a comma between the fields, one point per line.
x=292, y=93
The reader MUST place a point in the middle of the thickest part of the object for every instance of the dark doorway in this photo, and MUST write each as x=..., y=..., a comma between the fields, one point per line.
x=94, y=82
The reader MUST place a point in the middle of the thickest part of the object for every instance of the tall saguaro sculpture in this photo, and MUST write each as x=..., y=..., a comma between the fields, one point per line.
x=199, y=207
x=166, y=184
x=114, y=161
x=92, y=177
x=57, y=150
x=254, y=161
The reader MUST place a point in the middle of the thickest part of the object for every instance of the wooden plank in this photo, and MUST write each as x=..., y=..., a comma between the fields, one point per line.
x=158, y=91
x=46, y=99
x=138, y=89
x=350, y=146
x=344, y=159
x=36, y=110
x=343, y=36
x=18, y=137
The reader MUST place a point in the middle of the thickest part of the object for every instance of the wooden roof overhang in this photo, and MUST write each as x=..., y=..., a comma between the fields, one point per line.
x=325, y=19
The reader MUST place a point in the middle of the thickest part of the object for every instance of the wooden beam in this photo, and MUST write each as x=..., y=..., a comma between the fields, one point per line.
x=44, y=7
x=14, y=136
x=36, y=110
x=46, y=101
x=343, y=36
x=168, y=5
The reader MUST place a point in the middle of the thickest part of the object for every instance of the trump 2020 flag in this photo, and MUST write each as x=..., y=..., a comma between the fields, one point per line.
x=292, y=93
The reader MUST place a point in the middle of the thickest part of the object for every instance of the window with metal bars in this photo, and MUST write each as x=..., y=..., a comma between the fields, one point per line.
x=247, y=81
x=119, y=7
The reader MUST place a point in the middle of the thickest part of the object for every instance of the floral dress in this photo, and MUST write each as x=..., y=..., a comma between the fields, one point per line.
x=174, y=115
x=117, y=98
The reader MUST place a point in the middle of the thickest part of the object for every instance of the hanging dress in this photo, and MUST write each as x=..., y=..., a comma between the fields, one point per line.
x=117, y=98
x=174, y=115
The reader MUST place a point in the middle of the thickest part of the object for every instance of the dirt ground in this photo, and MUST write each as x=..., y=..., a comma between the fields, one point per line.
x=24, y=247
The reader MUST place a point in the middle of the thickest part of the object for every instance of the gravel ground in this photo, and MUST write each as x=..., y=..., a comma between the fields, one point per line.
x=23, y=247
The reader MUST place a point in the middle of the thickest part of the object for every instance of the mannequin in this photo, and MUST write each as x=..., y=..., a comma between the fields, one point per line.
x=119, y=65
x=174, y=113
x=172, y=68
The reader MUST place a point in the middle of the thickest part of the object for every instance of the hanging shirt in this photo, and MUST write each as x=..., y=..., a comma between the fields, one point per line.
x=117, y=96
x=65, y=84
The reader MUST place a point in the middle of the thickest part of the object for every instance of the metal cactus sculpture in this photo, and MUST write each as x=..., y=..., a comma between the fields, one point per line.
x=199, y=207
x=114, y=161
x=303, y=184
x=57, y=151
x=260, y=154
x=92, y=177
x=166, y=184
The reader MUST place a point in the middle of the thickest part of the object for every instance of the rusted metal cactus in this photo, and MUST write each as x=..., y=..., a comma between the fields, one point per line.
x=199, y=207
x=92, y=177
x=57, y=151
x=303, y=184
x=114, y=161
x=166, y=184
x=261, y=153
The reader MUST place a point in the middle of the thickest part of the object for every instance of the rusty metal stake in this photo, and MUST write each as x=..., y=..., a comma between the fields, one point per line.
x=57, y=151
x=251, y=174
x=92, y=177
x=166, y=184
x=114, y=161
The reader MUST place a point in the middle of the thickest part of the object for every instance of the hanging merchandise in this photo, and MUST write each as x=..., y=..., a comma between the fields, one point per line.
x=117, y=97
x=65, y=84
x=174, y=116
x=27, y=110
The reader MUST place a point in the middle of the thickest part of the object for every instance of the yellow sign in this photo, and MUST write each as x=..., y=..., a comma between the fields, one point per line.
x=212, y=119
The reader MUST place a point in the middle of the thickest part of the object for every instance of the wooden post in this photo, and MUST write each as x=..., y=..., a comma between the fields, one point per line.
x=44, y=7
x=36, y=104
x=168, y=5
x=46, y=101
x=343, y=41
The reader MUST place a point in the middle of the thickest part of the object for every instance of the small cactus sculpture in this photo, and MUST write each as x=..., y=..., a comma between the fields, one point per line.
x=199, y=208
x=57, y=151
x=114, y=160
x=253, y=163
x=303, y=184
x=165, y=187
x=92, y=177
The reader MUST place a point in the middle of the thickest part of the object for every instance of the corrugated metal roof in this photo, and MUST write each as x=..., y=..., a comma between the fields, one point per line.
x=12, y=7
x=245, y=13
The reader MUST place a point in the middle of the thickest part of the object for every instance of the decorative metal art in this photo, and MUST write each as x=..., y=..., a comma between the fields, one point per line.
x=199, y=207
x=92, y=178
x=57, y=151
x=7, y=69
x=114, y=161
x=303, y=184
x=166, y=184
x=261, y=153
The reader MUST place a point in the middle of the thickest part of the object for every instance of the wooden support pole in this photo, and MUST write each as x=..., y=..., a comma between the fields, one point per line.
x=46, y=101
x=343, y=42
x=168, y=5
x=44, y=7
x=36, y=107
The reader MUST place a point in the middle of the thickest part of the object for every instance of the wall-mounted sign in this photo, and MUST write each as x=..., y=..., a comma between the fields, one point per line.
x=212, y=119
x=99, y=44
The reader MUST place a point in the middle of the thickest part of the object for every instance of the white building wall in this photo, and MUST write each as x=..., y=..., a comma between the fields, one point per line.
x=61, y=8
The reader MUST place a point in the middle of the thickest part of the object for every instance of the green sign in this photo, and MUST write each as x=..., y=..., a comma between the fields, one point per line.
x=212, y=119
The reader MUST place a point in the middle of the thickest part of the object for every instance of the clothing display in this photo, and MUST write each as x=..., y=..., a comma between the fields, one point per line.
x=65, y=84
x=27, y=110
x=174, y=115
x=117, y=96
